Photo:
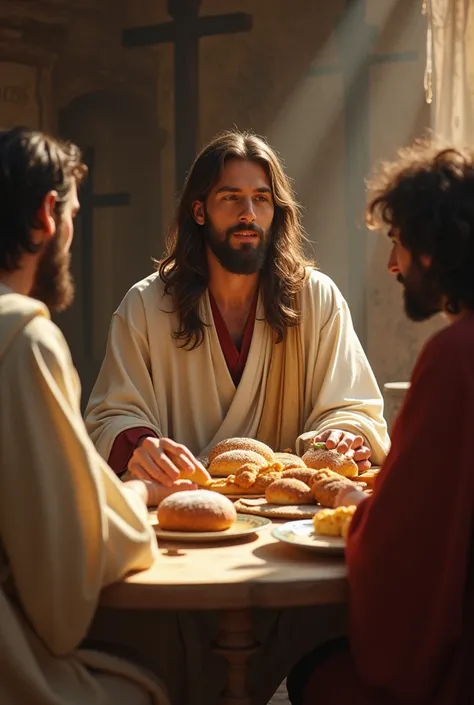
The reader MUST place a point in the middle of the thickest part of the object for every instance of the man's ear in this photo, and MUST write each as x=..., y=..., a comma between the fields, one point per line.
x=45, y=220
x=199, y=213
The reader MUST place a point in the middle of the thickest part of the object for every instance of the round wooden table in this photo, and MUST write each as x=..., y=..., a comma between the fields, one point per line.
x=234, y=577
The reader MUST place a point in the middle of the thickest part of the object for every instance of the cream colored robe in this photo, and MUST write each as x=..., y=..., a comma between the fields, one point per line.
x=146, y=380
x=68, y=527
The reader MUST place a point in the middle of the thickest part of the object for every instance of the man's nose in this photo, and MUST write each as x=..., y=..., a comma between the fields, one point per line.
x=392, y=264
x=248, y=213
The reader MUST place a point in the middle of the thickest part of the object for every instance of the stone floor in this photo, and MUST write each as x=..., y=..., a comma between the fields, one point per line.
x=280, y=697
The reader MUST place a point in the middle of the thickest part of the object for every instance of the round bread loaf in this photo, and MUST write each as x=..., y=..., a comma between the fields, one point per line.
x=288, y=491
x=289, y=460
x=242, y=444
x=196, y=510
x=232, y=460
x=319, y=458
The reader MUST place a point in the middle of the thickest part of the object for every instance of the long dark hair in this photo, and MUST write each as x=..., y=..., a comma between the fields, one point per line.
x=184, y=268
x=427, y=194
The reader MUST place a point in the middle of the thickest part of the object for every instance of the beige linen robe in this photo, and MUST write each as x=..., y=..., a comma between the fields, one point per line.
x=68, y=527
x=147, y=380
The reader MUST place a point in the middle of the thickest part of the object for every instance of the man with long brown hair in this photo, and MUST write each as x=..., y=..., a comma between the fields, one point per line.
x=68, y=526
x=235, y=335
x=410, y=548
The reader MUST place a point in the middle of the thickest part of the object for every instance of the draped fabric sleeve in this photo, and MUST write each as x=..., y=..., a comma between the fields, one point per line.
x=68, y=525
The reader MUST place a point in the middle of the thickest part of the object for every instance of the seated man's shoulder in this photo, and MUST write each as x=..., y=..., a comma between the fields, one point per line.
x=147, y=292
x=25, y=324
x=455, y=342
x=320, y=290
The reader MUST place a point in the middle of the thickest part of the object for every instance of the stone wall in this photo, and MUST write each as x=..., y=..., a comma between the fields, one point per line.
x=282, y=79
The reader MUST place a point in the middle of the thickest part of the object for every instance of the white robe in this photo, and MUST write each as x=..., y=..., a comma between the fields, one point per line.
x=68, y=527
x=146, y=380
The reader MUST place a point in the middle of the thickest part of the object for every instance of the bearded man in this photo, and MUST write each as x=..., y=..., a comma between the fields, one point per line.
x=235, y=335
x=68, y=526
x=410, y=548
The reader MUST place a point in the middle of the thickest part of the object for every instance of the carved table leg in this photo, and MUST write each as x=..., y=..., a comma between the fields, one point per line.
x=236, y=642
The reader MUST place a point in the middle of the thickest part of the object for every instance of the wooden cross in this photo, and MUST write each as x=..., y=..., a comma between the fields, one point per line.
x=90, y=201
x=184, y=32
x=356, y=61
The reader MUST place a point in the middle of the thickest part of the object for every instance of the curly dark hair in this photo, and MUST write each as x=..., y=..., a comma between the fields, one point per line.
x=31, y=165
x=427, y=195
x=184, y=269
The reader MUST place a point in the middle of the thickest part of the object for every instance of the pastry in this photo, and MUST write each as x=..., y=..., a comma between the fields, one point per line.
x=369, y=477
x=327, y=485
x=246, y=475
x=231, y=461
x=288, y=491
x=306, y=475
x=264, y=480
x=196, y=510
x=200, y=476
x=242, y=444
x=320, y=457
x=333, y=522
x=289, y=460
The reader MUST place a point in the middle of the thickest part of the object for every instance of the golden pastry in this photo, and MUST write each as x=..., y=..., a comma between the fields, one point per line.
x=369, y=477
x=246, y=475
x=264, y=480
x=231, y=461
x=289, y=460
x=241, y=444
x=334, y=522
x=288, y=491
x=306, y=475
x=327, y=485
x=320, y=457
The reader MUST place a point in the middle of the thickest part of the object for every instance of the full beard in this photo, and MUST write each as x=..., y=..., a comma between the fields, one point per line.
x=422, y=297
x=53, y=284
x=246, y=259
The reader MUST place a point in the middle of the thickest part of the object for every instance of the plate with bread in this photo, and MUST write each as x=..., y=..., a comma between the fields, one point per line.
x=325, y=533
x=202, y=516
x=281, y=485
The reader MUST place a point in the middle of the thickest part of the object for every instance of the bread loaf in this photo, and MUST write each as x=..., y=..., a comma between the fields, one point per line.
x=242, y=444
x=196, y=510
x=319, y=458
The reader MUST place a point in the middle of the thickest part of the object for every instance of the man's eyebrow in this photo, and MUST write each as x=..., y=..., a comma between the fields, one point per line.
x=228, y=189
x=235, y=189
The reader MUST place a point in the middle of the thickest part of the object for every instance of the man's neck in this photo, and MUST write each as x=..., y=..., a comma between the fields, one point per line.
x=231, y=291
x=20, y=280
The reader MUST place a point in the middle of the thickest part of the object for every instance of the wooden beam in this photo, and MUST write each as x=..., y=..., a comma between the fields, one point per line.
x=208, y=26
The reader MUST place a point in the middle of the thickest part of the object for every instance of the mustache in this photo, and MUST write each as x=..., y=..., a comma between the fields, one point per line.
x=250, y=228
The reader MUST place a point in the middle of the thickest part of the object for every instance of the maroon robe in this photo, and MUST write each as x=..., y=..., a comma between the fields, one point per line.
x=410, y=551
x=126, y=442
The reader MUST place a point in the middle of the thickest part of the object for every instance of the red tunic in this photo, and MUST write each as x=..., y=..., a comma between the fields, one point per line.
x=410, y=550
x=126, y=442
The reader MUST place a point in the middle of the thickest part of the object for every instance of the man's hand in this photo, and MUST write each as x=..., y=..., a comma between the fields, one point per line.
x=164, y=461
x=152, y=493
x=349, y=444
x=349, y=496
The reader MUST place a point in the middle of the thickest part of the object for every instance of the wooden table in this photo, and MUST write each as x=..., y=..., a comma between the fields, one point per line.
x=257, y=571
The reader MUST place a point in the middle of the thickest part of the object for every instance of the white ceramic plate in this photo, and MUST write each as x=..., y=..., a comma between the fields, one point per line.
x=302, y=533
x=242, y=527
